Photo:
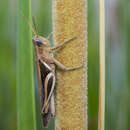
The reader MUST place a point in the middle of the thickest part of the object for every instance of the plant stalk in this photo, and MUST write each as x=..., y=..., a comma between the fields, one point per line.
x=101, y=114
x=69, y=19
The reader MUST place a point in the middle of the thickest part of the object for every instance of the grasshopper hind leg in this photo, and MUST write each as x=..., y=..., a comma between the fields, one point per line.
x=46, y=111
x=45, y=119
x=48, y=91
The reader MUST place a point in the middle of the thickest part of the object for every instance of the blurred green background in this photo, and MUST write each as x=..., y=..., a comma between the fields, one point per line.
x=117, y=62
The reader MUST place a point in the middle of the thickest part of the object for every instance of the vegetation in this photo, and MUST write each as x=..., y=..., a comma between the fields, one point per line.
x=25, y=82
x=117, y=112
x=71, y=90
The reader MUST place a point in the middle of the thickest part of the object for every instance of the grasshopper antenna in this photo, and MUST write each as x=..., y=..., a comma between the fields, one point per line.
x=30, y=25
x=34, y=24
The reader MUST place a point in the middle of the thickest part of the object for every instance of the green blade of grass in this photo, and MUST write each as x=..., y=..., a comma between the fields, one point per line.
x=25, y=85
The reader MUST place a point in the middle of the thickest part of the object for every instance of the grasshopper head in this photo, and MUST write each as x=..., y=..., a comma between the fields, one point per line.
x=40, y=41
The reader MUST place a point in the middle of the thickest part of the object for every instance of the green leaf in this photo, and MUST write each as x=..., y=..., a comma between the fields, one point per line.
x=25, y=83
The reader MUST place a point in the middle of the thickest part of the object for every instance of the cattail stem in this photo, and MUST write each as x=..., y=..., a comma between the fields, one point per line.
x=69, y=20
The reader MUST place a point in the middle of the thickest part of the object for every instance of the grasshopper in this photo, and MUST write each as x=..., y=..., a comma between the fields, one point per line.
x=46, y=65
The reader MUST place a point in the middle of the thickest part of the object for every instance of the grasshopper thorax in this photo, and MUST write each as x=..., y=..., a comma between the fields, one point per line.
x=40, y=41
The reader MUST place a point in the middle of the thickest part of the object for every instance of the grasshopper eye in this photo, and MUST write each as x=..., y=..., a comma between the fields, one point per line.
x=37, y=41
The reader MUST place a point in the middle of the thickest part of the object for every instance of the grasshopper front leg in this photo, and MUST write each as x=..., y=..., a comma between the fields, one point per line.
x=61, y=44
x=49, y=36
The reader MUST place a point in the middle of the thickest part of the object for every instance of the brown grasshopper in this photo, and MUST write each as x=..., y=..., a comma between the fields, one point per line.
x=46, y=64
